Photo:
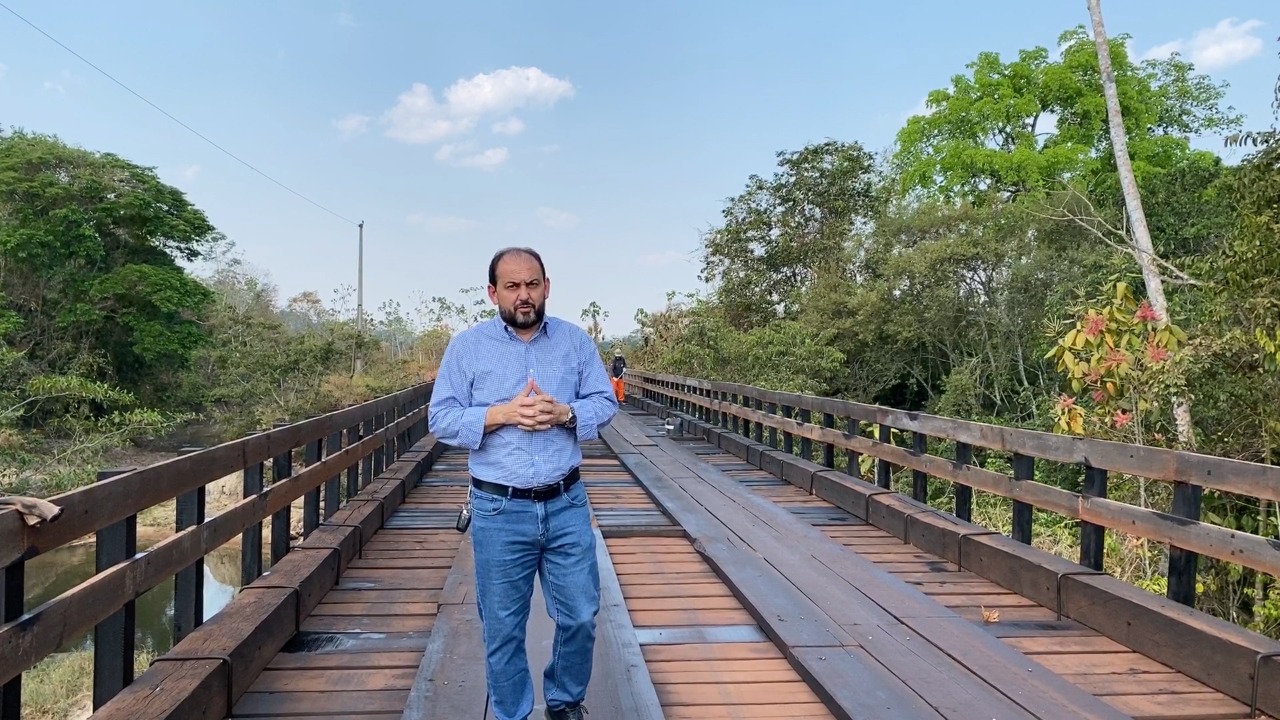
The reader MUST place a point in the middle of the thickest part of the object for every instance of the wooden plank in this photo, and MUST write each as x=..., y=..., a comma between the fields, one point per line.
x=950, y=689
x=450, y=681
x=869, y=590
x=856, y=687
x=785, y=613
x=181, y=690
x=632, y=434
x=1207, y=649
x=1027, y=682
x=621, y=686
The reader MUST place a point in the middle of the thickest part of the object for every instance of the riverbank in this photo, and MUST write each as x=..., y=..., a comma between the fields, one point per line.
x=61, y=686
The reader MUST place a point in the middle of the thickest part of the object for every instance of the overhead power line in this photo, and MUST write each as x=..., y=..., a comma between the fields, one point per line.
x=171, y=117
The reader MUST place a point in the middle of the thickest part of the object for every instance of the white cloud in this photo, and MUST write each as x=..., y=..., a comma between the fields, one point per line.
x=56, y=87
x=505, y=90
x=510, y=126
x=352, y=125
x=418, y=117
x=441, y=224
x=1228, y=43
x=189, y=172
x=556, y=219
x=662, y=259
x=462, y=155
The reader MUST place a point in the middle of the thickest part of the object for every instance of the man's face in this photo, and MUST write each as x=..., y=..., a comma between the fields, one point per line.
x=521, y=293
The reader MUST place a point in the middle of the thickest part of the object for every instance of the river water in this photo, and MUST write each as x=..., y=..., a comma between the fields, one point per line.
x=55, y=572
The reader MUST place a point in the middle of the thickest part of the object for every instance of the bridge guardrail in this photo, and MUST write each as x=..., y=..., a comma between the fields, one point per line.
x=1216, y=652
x=745, y=408
x=375, y=433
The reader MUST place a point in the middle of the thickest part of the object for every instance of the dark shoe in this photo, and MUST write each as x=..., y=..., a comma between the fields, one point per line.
x=569, y=712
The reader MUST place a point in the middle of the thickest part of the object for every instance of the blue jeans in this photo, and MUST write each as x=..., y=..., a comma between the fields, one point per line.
x=512, y=539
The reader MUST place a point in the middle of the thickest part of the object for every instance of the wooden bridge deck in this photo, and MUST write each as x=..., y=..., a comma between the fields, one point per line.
x=727, y=593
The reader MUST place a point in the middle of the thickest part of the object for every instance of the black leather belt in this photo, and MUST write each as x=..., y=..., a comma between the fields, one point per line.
x=538, y=494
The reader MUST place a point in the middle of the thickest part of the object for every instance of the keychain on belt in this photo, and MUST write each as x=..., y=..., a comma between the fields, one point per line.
x=464, y=517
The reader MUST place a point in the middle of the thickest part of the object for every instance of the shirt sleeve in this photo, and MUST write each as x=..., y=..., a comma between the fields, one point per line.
x=450, y=416
x=596, y=404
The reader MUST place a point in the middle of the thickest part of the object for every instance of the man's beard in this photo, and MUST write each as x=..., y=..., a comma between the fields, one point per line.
x=523, y=319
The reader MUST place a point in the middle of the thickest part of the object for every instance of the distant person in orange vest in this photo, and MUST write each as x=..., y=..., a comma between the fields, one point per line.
x=619, y=367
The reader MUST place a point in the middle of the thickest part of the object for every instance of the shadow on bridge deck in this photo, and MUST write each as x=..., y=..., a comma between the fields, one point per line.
x=727, y=593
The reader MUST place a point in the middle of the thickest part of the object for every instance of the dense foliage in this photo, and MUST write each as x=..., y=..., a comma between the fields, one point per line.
x=126, y=317
x=983, y=270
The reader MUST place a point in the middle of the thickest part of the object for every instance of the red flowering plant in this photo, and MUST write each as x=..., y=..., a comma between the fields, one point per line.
x=1116, y=357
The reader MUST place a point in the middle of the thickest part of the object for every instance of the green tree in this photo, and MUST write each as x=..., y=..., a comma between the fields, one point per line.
x=89, y=251
x=594, y=315
x=778, y=233
x=1012, y=127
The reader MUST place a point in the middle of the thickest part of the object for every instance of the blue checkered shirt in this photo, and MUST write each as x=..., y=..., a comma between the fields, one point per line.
x=487, y=365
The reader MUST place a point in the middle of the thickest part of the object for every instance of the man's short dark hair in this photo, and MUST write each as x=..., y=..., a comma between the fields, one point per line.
x=497, y=257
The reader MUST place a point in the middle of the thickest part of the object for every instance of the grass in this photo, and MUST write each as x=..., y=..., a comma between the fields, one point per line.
x=61, y=686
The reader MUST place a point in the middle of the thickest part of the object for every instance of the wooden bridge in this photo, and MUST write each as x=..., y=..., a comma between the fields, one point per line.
x=744, y=574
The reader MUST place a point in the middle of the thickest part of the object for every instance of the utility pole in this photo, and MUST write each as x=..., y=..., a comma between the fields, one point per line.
x=360, y=303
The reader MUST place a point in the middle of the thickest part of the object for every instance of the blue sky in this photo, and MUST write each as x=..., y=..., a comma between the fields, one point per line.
x=606, y=135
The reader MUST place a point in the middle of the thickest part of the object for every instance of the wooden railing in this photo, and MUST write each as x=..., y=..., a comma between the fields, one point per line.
x=358, y=441
x=835, y=424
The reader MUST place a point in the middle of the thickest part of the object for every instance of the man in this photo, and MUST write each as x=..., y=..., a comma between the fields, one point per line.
x=619, y=367
x=521, y=392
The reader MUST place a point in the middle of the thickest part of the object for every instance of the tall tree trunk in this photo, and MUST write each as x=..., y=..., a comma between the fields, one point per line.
x=1144, y=251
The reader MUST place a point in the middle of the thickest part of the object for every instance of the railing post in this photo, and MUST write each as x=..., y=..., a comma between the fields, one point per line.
x=311, y=501
x=724, y=416
x=281, y=468
x=884, y=469
x=964, y=493
x=772, y=409
x=1024, y=468
x=113, y=638
x=788, y=440
x=188, y=584
x=12, y=589
x=379, y=455
x=402, y=444
x=332, y=499
x=735, y=399
x=920, y=479
x=366, y=463
x=806, y=444
x=828, y=449
x=1182, y=563
x=353, y=472
x=251, y=538
x=758, y=405
x=852, y=458
x=1093, y=537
